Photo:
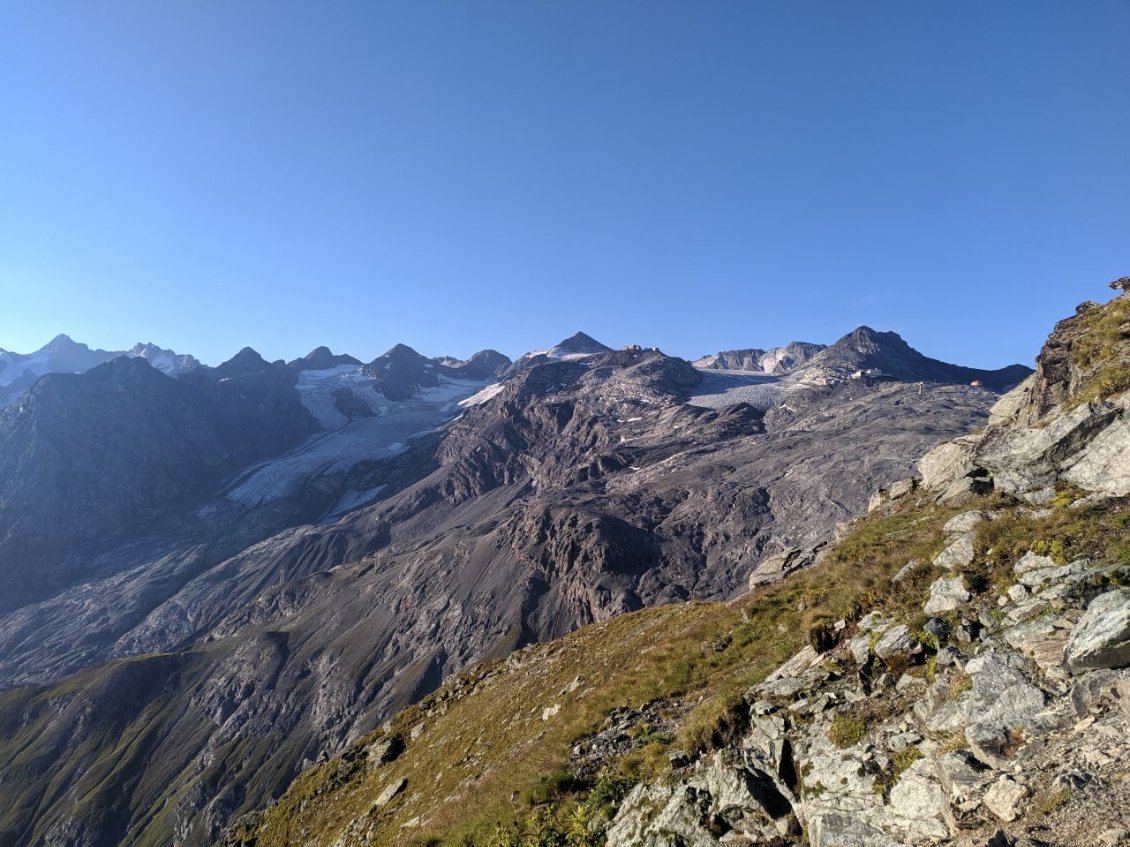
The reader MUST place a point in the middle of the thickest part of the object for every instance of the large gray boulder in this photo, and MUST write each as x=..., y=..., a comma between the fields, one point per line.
x=1027, y=461
x=1101, y=639
x=949, y=470
x=837, y=829
x=1002, y=706
x=897, y=641
x=1103, y=466
x=724, y=792
x=946, y=595
x=958, y=553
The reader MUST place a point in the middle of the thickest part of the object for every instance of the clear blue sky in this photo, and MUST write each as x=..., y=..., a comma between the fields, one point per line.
x=208, y=175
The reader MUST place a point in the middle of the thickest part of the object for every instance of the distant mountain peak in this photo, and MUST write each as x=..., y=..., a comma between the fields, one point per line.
x=581, y=342
x=63, y=343
x=247, y=361
x=869, y=352
x=482, y=365
x=864, y=337
x=322, y=358
x=777, y=360
x=400, y=351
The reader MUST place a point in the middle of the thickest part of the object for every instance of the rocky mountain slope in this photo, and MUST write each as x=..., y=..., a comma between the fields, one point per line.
x=955, y=670
x=400, y=523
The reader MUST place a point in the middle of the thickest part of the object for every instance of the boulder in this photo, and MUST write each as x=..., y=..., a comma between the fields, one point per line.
x=776, y=568
x=946, y=595
x=918, y=805
x=1095, y=691
x=390, y=791
x=1101, y=639
x=1005, y=798
x=958, y=553
x=837, y=829
x=877, y=500
x=965, y=522
x=1101, y=466
x=1043, y=640
x=897, y=641
x=1002, y=707
x=1032, y=562
x=902, y=487
x=1027, y=461
x=795, y=666
x=723, y=793
x=949, y=470
x=962, y=778
x=383, y=751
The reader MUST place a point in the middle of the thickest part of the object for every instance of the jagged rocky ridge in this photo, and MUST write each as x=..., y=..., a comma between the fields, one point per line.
x=778, y=360
x=245, y=629
x=978, y=695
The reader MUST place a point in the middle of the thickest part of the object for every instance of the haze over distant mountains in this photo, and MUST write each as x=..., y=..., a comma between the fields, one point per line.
x=287, y=552
x=64, y=355
x=18, y=372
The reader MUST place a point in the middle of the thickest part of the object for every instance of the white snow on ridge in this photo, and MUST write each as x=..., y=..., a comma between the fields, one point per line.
x=13, y=368
x=483, y=396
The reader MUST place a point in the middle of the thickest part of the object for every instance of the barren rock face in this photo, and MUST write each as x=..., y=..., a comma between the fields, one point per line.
x=1101, y=639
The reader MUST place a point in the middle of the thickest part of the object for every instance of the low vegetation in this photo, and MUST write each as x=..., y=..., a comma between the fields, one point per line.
x=1099, y=353
x=490, y=763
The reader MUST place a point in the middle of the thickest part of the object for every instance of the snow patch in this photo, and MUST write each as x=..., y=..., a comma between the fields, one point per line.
x=484, y=395
x=721, y=388
x=347, y=442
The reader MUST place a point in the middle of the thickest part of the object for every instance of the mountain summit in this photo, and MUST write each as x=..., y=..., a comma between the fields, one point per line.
x=869, y=352
x=62, y=354
x=322, y=358
x=579, y=343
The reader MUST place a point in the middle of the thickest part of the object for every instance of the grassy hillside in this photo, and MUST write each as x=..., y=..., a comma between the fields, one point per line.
x=486, y=757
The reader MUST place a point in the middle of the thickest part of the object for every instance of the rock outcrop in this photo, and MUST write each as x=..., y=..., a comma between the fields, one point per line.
x=1065, y=426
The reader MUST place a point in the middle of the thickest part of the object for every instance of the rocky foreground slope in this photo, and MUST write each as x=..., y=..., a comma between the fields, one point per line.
x=955, y=670
x=414, y=517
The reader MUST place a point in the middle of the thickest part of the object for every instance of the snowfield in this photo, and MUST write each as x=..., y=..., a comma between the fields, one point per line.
x=346, y=441
x=721, y=388
x=317, y=389
x=483, y=396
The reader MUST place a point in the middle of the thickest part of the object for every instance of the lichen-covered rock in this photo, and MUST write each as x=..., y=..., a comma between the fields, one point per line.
x=836, y=829
x=1101, y=639
x=389, y=792
x=1001, y=708
x=1101, y=466
x=958, y=553
x=949, y=470
x=1027, y=461
x=917, y=804
x=897, y=641
x=725, y=793
x=965, y=522
x=1043, y=640
x=946, y=595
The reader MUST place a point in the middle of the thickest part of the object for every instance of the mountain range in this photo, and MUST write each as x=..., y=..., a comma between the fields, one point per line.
x=952, y=669
x=18, y=371
x=211, y=576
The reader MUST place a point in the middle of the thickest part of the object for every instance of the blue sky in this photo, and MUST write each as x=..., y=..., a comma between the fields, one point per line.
x=457, y=175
